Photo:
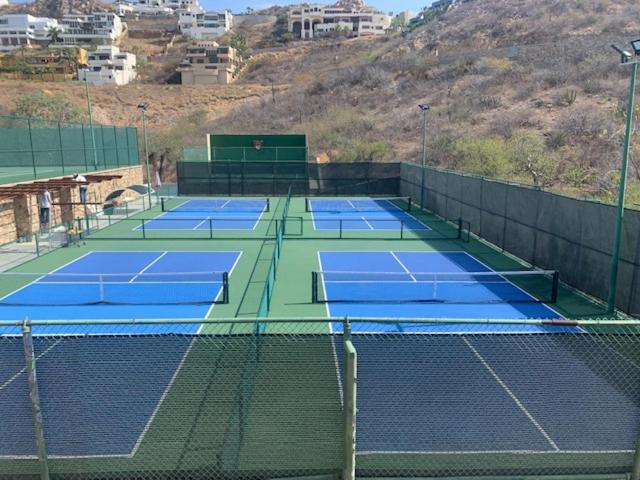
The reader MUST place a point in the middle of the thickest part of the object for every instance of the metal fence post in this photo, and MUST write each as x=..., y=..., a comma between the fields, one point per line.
x=61, y=147
x=350, y=403
x=33, y=157
x=34, y=397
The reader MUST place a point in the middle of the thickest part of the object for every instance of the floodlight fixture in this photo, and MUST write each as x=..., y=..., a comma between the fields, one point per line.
x=624, y=55
x=635, y=44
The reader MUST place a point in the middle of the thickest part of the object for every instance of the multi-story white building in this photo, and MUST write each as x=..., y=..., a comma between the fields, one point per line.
x=157, y=7
x=207, y=63
x=109, y=66
x=205, y=25
x=142, y=8
x=17, y=31
x=100, y=27
x=316, y=20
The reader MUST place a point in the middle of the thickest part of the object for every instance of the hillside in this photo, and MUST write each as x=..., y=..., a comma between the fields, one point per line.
x=521, y=89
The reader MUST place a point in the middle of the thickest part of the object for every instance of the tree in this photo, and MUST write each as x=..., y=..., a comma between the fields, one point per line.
x=482, y=156
x=54, y=34
x=530, y=157
x=45, y=107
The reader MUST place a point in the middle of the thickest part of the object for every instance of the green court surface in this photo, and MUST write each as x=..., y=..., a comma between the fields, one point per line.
x=244, y=404
x=25, y=174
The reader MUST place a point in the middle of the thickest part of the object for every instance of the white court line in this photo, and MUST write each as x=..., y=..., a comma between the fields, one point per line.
x=333, y=343
x=70, y=262
x=194, y=228
x=162, y=398
x=8, y=382
x=213, y=304
x=367, y=222
x=148, y=266
x=404, y=267
x=489, y=452
x=511, y=394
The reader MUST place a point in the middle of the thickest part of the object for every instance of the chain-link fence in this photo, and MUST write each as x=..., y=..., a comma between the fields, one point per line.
x=226, y=399
x=547, y=230
x=32, y=148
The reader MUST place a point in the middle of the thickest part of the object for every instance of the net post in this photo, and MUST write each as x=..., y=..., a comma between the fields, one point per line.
x=401, y=229
x=37, y=241
x=210, y=229
x=340, y=228
x=306, y=204
x=144, y=231
x=314, y=287
x=34, y=397
x=162, y=206
x=555, y=287
x=225, y=287
x=409, y=204
x=101, y=287
x=268, y=207
x=459, y=228
x=350, y=403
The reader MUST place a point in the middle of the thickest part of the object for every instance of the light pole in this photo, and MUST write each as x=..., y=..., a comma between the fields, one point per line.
x=143, y=110
x=93, y=135
x=632, y=59
x=425, y=108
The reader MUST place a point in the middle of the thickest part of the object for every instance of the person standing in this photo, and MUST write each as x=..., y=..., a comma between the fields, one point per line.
x=45, y=207
x=84, y=188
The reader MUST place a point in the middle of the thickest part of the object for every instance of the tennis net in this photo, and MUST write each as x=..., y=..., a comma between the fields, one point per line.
x=435, y=287
x=345, y=205
x=76, y=289
x=180, y=204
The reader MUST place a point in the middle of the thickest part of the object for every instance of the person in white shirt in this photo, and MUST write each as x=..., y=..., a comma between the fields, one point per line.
x=84, y=188
x=45, y=207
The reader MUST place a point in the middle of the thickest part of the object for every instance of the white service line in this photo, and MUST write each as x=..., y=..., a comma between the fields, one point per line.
x=367, y=222
x=511, y=394
x=403, y=266
x=147, y=267
x=24, y=369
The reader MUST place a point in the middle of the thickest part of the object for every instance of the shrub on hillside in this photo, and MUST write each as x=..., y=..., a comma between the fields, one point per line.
x=530, y=158
x=482, y=156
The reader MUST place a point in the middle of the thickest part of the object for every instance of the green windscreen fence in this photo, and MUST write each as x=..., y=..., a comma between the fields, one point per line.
x=258, y=148
x=32, y=148
x=547, y=230
x=275, y=178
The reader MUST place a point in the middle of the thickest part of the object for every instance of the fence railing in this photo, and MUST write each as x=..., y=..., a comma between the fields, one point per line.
x=32, y=148
x=222, y=398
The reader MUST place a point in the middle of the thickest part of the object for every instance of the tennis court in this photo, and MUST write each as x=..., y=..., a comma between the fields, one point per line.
x=363, y=214
x=105, y=285
x=465, y=393
x=401, y=284
x=122, y=285
x=208, y=214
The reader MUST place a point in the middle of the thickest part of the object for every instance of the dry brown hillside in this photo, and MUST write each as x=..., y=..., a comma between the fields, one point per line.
x=521, y=89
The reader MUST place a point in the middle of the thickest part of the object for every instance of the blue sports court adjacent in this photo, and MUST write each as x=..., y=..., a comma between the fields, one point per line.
x=428, y=284
x=208, y=214
x=363, y=214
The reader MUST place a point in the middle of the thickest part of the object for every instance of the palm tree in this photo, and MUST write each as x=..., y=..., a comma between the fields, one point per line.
x=54, y=33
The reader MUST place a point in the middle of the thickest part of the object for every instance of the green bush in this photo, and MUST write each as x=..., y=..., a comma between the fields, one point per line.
x=531, y=158
x=482, y=156
x=39, y=105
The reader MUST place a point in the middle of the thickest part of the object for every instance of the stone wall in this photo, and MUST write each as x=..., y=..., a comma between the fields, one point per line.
x=20, y=217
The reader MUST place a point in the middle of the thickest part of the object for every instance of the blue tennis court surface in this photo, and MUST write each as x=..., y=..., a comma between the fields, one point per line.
x=470, y=393
x=98, y=394
x=361, y=214
x=210, y=214
x=123, y=285
x=118, y=402
x=401, y=285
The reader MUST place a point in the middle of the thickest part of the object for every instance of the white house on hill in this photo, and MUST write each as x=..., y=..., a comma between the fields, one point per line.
x=109, y=66
x=21, y=30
